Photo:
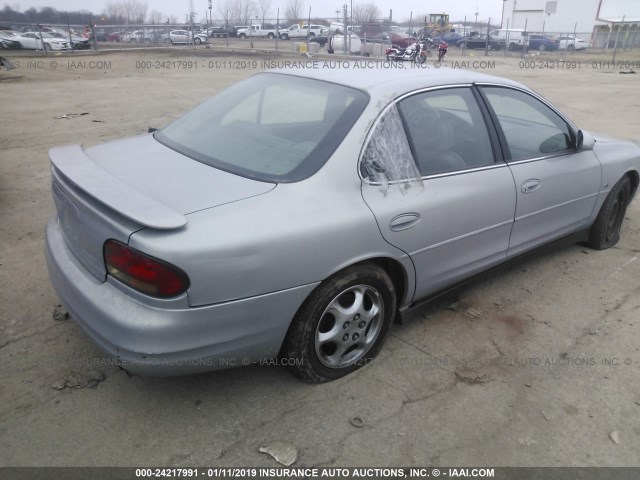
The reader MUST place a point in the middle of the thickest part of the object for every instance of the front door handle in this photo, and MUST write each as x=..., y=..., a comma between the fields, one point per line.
x=530, y=185
x=404, y=221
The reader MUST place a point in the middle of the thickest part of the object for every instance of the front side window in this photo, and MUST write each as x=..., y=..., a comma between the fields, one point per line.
x=530, y=127
x=446, y=131
x=270, y=127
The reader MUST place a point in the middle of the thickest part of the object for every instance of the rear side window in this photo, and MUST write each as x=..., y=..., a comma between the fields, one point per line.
x=387, y=156
x=530, y=127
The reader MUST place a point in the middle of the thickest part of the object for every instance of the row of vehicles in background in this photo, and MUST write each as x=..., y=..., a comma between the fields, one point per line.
x=42, y=38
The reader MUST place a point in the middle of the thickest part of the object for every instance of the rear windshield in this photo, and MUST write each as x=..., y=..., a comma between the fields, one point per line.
x=269, y=127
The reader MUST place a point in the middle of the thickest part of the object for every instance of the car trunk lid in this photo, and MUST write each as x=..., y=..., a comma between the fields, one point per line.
x=115, y=189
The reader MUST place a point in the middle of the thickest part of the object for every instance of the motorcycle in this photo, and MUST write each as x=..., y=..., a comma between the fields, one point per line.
x=442, y=50
x=416, y=52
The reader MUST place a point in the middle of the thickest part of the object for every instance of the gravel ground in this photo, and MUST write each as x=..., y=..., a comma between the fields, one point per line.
x=525, y=367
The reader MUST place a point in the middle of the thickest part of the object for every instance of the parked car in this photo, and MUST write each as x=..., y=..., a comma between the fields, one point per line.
x=296, y=31
x=219, y=31
x=100, y=37
x=258, y=31
x=184, y=36
x=37, y=41
x=542, y=43
x=480, y=41
x=512, y=38
x=77, y=43
x=8, y=40
x=570, y=43
x=302, y=230
x=115, y=36
x=452, y=38
x=236, y=29
x=402, y=40
x=138, y=36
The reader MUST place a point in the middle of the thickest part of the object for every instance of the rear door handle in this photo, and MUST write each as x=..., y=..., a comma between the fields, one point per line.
x=404, y=221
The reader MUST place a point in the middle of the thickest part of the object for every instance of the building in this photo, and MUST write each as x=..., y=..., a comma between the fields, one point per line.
x=595, y=20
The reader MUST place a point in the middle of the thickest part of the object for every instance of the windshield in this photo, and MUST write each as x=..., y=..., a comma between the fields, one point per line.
x=269, y=127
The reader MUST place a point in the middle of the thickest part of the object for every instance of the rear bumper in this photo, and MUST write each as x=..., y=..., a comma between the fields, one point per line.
x=152, y=340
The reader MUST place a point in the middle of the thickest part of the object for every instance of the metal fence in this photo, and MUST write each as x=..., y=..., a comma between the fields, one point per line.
x=348, y=36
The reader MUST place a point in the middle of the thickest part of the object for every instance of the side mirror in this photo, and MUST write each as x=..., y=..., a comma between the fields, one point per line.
x=585, y=141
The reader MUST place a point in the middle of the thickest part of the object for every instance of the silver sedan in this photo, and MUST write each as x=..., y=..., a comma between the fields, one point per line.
x=295, y=215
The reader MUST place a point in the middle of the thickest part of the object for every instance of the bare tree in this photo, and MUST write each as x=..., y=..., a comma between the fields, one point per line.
x=135, y=11
x=155, y=17
x=365, y=12
x=293, y=10
x=264, y=5
x=115, y=11
x=239, y=12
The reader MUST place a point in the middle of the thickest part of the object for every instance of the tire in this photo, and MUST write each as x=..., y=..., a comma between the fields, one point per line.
x=311, y=34
x=542, y=48
x=197, y=41
x=571, y=48
x=47, y=47
x=171, y=42
x=605, y=231
x=353, y=311
x=421, y=58
x=242, y=36
x=284, y=36
x=271, y=36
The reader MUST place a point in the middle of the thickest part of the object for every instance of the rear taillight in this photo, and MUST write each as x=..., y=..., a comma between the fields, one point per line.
x=143, y=273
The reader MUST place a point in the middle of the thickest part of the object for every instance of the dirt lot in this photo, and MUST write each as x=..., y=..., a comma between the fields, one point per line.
x=526, y=368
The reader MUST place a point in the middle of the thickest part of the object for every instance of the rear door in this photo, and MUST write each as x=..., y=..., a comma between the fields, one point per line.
x=438, y=190
x=557, y=186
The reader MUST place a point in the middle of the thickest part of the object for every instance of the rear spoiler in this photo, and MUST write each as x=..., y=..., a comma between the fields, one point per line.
x=79, y=169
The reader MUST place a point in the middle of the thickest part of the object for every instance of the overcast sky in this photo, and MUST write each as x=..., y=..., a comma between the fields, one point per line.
x=319, y=8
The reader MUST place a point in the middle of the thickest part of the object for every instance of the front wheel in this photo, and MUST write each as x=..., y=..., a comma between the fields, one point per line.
x=571, y=48
x=342, y=324
x=284, y=36
x=197, y=41
x=605, y=231
x=421, y=58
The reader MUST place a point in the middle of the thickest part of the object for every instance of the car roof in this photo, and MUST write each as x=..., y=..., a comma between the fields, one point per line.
x=389, y=80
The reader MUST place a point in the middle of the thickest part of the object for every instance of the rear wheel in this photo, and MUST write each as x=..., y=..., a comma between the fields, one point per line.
x=542, y=48
x=271, y=36
x=242, y=36
x=571, y=48
x=342, y=325
x=605, y=231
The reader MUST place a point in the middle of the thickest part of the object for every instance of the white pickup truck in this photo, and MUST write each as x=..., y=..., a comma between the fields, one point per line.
x=296, y=31
x=257, y=31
